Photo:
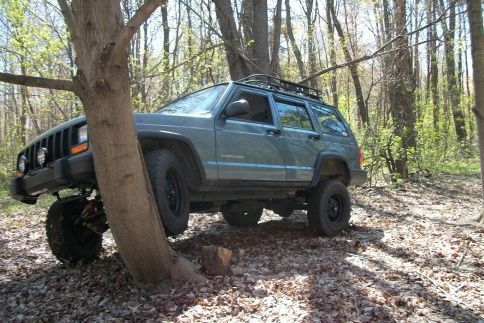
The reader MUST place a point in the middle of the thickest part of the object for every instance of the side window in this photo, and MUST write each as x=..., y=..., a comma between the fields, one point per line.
x=258, y=108
x=294, y=116
x=330, y=121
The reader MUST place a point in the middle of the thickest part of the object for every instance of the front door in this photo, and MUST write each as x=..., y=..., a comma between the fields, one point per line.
x=249, y=147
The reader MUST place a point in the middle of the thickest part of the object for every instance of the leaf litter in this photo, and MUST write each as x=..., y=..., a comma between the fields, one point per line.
x=411, y=253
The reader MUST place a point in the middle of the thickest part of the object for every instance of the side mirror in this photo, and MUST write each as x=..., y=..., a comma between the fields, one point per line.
x=236, y=108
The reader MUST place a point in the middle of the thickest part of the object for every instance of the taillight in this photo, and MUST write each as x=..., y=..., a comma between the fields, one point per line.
x=361, y=157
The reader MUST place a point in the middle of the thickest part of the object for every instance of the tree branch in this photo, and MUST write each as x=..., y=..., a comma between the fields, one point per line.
x=141, y=15
x=68, y=16
x=376, y=53
x=379, y=51
x=33, y=81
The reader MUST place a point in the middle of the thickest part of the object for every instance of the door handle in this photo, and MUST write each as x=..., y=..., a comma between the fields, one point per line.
x=274, y=132
x=314, y=137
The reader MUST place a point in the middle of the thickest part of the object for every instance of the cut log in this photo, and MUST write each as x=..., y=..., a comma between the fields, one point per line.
x=216, y=260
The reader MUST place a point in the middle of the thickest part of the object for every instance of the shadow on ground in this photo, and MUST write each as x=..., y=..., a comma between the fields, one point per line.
x=283, y=270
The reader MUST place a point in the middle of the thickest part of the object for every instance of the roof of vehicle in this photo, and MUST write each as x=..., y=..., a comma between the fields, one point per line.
x=275, y=84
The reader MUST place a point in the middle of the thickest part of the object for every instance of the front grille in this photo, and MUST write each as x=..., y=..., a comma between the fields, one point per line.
x=58, y=145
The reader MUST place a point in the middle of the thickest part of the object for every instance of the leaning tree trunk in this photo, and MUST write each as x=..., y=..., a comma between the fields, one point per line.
x=103, y=87
x=477, y=44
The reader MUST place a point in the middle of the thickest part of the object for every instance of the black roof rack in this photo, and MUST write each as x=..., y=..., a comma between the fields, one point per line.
x=272, y=82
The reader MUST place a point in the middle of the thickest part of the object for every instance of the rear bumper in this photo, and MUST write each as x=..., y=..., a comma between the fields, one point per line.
x=358, y=177
x=64, y=172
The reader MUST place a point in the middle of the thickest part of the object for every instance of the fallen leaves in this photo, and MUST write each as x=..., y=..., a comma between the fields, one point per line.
x=410, y=254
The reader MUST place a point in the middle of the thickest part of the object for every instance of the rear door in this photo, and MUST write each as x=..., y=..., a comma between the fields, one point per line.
x=302, y=143
x=249, y=147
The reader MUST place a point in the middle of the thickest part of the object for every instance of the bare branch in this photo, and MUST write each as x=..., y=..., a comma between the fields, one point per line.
x=375, y=54
x=68, y=16
x=378, y=52
x=41, y=82
x=141, y=15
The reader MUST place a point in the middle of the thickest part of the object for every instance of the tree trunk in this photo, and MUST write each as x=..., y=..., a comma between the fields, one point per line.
x=477, y=45
x=260, y=28
x=452, y=86
x=362, y=108
x=295, y=47
x=247, y=18
x=403, y=108
x=433, y=78
x=225, y=16
x=276, y=39
x=103, y=88
x=310, y=42
x=332, y=53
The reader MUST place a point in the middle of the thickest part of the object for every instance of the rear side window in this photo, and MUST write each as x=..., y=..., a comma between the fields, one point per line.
x=293, y=115
x=258, y=108
x=330, y=121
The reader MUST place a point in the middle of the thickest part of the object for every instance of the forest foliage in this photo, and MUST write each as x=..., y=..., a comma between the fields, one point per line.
x=408, y=99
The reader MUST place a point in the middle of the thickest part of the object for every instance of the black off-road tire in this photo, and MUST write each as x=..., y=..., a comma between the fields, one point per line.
x=71, y=243
x=329, y=208
x=241, y=218
x=170, y=189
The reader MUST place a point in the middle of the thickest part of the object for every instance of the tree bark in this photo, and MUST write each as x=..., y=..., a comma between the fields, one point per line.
x=403, y=107
x=452, y=86
x=295, y=47
x=276, y=39
x=332, y=52
x=260, y=28
x=477, y=45
x=225, y=16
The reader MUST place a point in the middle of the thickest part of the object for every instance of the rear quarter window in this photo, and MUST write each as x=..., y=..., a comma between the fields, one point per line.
x=330, y=121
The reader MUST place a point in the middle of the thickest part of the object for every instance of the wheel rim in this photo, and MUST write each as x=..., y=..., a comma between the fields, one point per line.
x=173, y=193
x=335, y=208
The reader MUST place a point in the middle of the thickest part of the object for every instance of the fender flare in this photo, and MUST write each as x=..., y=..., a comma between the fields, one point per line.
x=322, y=157
x=175, y=137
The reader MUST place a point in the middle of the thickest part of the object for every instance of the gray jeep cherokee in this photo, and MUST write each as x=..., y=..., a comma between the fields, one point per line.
x=236, y=147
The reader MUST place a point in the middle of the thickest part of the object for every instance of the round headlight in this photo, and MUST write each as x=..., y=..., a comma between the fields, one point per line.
x=22, y=164
x=41, y=156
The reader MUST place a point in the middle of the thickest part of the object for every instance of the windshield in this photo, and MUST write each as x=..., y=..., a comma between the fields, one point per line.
x=198, y=103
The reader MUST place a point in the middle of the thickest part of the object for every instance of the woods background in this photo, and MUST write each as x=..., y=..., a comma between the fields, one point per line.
x=407, y=91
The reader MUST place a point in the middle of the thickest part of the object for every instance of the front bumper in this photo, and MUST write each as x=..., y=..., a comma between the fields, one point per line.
x=63, y=173
x=358, y=177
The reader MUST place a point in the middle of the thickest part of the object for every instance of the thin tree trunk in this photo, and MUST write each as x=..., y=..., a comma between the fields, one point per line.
x=295, y=47
x=362, y=108
x=452, y=87
x=276, y=41
x=332, y=53
x=477, y=44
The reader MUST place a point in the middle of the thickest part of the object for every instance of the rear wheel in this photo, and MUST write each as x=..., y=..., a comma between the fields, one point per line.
x=237, y=216
x=329, y=208
x=170, y=189
x=70, y=237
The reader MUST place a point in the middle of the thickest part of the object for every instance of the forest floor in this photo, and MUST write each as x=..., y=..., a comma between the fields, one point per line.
x=412, y=253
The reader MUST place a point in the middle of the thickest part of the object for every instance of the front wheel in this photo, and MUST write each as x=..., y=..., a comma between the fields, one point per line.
x=329, y=208
x=69, y=238
x=170, y=189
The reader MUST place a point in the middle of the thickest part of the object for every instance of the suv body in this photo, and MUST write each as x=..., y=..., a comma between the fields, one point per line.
x=270, y=148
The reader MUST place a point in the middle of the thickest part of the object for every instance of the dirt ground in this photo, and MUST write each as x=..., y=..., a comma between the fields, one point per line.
x=411, y=253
